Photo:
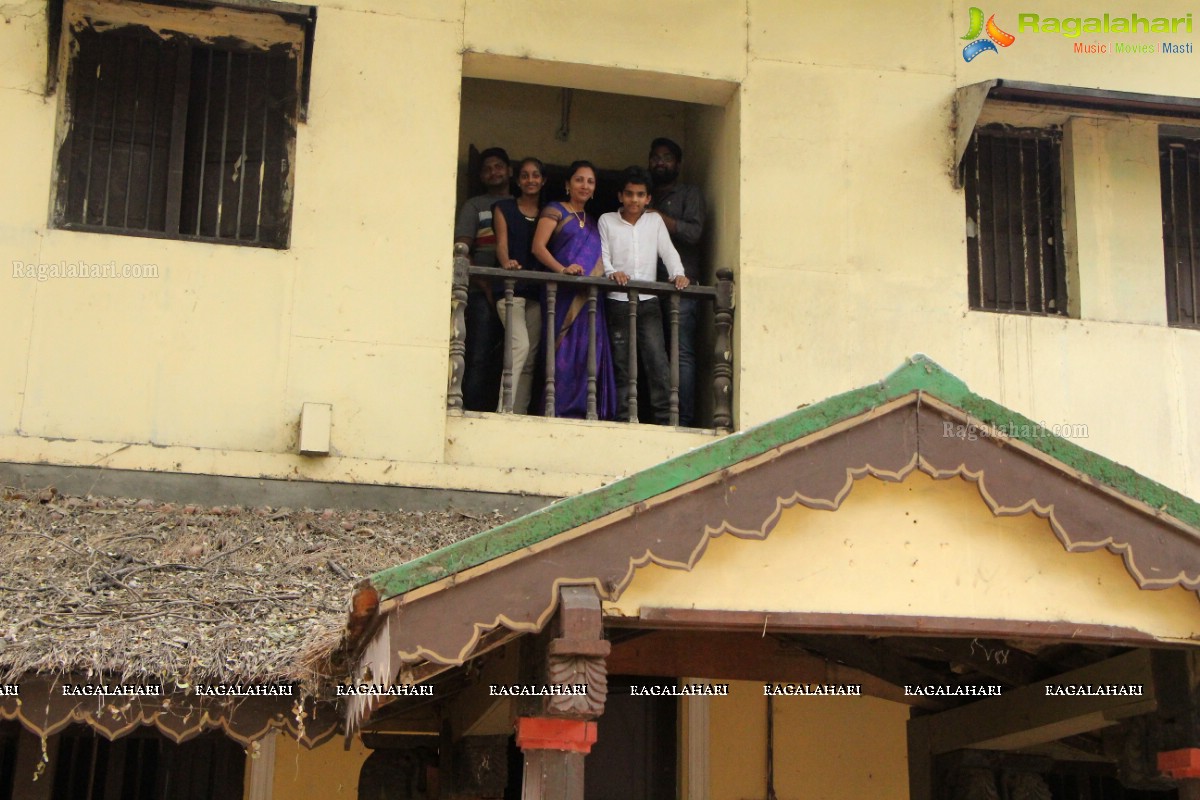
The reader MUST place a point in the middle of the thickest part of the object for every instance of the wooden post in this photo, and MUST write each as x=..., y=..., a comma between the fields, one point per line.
x=562, y=729
x=551, y=344
x=591, y=355
x=507, y=380
x=673, y=355
x=633, y=356
x=920, y=760
x=458, y=328
x=554, y=751
x=723, y=355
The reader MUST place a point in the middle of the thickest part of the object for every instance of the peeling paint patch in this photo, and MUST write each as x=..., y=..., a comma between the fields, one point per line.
x=259, y=29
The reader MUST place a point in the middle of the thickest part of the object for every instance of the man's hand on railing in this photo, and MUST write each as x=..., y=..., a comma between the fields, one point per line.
x=681, y=282
x=620, y=277
x=512, y=263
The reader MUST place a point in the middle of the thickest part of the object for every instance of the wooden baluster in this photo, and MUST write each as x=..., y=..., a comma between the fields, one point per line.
x=723, y=355
x=507, y=388
x=551, y=339
x=458, y=327
x=591, y=361
x=674, y=354
x=633, y=376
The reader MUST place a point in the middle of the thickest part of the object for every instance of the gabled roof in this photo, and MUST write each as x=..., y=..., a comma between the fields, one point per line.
x=919, y=376
x=452, y=604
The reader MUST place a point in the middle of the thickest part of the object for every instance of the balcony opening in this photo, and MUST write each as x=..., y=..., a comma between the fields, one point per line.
x=559, y=125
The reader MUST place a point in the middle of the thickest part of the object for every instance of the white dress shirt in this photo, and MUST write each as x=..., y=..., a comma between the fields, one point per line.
x=635, y=249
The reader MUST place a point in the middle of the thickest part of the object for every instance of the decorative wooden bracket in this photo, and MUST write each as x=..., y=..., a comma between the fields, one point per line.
x=576, y=655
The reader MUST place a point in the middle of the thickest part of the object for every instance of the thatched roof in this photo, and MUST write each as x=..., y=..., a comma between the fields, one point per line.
x=146, y=590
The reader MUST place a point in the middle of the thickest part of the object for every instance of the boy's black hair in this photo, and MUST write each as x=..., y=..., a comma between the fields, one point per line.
x=670, y=144
x=493, y=152
x=638, y=176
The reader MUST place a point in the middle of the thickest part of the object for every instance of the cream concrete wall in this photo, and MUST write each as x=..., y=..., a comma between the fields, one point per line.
x=705, y=39
x=826, y=748
x=738, y=743
x=916, y=548
x=328, y=772
x=852, y=235
x=822, y=136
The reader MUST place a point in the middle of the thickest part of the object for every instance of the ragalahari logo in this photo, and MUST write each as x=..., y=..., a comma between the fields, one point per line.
x=995, y=36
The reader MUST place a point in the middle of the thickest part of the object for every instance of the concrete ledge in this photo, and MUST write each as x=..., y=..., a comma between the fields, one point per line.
x=221, y=490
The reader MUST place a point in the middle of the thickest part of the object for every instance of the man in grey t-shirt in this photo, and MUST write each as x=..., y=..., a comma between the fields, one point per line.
x=485, y=335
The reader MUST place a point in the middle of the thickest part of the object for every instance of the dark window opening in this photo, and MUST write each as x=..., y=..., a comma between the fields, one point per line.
x=1013, y=186
x=179, y=139
x=146, y=766
x=1179, y=161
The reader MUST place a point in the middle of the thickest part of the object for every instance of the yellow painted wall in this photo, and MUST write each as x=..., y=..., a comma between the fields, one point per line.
x=737, y=746
x=328, y=772
x=822, y=137
x=916, y=548
x=826, y=748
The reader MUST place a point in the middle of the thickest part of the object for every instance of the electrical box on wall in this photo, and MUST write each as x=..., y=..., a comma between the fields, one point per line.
x=316, y=420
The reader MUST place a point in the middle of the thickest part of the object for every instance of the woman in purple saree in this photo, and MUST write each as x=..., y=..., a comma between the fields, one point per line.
x=567, y=241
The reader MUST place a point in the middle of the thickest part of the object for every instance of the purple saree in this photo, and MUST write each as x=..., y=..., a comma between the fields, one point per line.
x=572, y=244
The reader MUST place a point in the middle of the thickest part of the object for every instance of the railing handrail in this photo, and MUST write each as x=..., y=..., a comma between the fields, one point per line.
x=543, y=276
x=721, y=297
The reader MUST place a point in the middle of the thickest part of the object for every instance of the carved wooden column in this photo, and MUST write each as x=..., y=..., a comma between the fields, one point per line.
x=458, y=327
x=556, y=732
x=723, y=353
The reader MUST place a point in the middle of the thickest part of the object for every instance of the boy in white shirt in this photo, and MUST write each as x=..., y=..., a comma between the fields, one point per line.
x=631, y=242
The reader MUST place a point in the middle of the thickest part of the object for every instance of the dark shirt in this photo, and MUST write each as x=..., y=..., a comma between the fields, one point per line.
x=685, y=204
x=520, y=247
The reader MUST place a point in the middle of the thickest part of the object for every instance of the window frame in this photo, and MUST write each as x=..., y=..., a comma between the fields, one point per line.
x=1188, y=142
x=241, y=31
x=1047, y=193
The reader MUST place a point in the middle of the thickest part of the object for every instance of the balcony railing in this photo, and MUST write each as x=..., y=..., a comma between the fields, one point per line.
x=721, y=298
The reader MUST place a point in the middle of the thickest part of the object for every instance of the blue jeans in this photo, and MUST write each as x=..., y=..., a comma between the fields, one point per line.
x=689, y=316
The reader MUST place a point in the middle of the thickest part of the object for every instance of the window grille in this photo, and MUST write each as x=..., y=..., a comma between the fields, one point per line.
x=178, y=138
x=1014, y=221
x=145, y=766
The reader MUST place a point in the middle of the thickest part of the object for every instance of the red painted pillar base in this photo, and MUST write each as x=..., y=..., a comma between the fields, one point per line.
x=1183, y=766
x=554, y=751
x=551, y=733
x=1180, y=764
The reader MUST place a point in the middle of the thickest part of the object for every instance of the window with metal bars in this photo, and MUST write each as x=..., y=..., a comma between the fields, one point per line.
x=1179, y=162
x=1014, y=221
x=145, y=766
x=174, y=137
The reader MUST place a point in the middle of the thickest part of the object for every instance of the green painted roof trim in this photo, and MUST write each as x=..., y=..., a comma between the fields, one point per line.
x=919, y=374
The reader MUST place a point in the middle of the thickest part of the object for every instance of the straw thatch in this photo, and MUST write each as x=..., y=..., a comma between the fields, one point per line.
x=146, y=590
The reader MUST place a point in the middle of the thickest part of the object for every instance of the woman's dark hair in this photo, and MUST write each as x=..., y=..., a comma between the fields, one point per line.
x=578, y=165
x=537, y=162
